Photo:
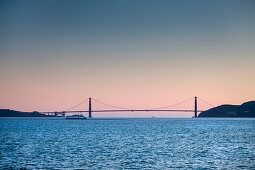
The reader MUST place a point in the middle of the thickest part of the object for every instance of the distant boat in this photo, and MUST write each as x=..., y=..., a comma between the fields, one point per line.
x=76, y=117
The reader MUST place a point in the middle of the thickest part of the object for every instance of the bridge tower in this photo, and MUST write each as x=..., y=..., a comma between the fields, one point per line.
x=90, y=112
x=195, y=111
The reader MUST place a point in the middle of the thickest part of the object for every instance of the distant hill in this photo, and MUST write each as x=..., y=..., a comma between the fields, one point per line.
x=13, y=113
x=245, y=110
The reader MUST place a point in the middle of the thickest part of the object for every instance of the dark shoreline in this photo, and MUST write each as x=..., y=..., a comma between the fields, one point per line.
x=245, y=110
x=14, y=113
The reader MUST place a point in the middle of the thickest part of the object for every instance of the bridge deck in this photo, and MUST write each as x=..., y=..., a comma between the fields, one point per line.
x=123, y=110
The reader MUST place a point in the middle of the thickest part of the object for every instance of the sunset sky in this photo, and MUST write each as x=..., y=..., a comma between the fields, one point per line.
x=129, y=53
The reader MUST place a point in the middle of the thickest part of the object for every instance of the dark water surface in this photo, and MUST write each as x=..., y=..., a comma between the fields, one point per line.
x=127, y=143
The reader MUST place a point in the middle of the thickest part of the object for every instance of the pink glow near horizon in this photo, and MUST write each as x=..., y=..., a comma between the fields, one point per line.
x=127, y=55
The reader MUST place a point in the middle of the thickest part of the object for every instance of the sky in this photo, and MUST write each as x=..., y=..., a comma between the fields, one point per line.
x=130, y=53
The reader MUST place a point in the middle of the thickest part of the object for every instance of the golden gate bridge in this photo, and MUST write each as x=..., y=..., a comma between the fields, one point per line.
x=121, y=109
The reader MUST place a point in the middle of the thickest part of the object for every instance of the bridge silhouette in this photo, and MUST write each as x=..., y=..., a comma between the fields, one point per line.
x=120, y=109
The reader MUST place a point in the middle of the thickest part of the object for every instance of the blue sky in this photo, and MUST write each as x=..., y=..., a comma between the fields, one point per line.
x=119, y=49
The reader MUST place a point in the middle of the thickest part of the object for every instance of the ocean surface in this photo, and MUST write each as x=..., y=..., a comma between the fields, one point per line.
x=149, y=143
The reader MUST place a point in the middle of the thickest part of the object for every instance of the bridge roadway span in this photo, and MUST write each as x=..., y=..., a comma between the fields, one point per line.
x=123, y=110
x=119, y=109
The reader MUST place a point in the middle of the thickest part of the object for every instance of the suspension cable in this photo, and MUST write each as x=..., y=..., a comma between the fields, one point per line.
x=132, y=109
x=206, y=102
x=77, y=104
x=110, y=105
x=173, y=104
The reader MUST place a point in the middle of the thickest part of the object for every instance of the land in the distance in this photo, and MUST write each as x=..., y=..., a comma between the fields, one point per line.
x=14, y=113
x=244, y=110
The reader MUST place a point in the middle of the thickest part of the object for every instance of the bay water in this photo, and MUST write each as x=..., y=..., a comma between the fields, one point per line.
x=127, y=143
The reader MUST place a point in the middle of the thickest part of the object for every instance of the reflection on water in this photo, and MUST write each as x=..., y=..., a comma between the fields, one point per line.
x=127, y=143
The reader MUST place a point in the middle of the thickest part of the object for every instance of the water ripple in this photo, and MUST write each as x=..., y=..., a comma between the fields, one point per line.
x=46, y=143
